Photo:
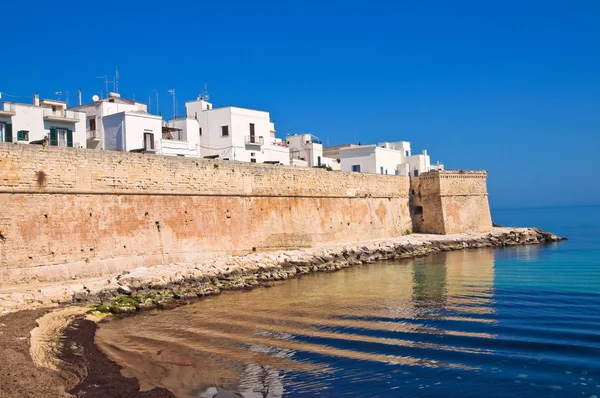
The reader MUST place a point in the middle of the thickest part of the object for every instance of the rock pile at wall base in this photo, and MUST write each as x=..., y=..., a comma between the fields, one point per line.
x=170, y=286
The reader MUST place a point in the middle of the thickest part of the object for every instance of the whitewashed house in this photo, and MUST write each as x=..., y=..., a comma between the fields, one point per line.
x=96, y=112
x=231, y=133
x=132, y=131
x=307, y=150
x=391, y=158
x=43, y=121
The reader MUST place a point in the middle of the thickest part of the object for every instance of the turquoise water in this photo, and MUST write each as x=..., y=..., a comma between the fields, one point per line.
x=517, y=322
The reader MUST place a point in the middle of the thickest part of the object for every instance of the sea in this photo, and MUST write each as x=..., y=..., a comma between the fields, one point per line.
x=510, y=322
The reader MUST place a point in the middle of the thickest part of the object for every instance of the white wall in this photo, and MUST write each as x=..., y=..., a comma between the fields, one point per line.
x=387, y=160
x=114, y=132
x=136, y=124
x=364, y=156
x=371, y=159
x=420, y=163
x=212, y=142
x=30, y=118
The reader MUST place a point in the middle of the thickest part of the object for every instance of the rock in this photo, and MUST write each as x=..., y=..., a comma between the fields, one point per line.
x=167, y=303
x=123, y=310
x=124, y=290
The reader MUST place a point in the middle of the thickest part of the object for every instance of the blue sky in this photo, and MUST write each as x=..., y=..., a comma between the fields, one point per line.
x=512, y=87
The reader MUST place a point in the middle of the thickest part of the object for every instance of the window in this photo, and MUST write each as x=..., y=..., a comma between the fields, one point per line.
x=61, y=135
x=386, y=173
x=319, y=161
x=416, y=173
x=252, y=160
x=252, y=153
x=252, y=133
x=381, y=170
x=148, y=141
x=356, y=168
x=200, y=130
x=22, y=135
x=224, y=131
x=397, y=172
x=92, y=124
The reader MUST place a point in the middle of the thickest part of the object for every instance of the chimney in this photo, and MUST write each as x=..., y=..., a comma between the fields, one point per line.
x=36, y=99
x=79, y=96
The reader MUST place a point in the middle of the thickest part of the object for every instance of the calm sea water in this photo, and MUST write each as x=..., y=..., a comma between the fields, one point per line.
x=519, y=322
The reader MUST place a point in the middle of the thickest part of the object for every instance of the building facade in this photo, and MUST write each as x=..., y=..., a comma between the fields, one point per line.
x=391, y=158
x=99, y=109
x=132, y=131
x=231, y=133
x=42, y=122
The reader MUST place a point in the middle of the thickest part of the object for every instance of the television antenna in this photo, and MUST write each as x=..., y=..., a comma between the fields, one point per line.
x=106, y=81
x=116, y=79
x=58, y=94
x=172, y=92
x=157, y=107
x=204, y=92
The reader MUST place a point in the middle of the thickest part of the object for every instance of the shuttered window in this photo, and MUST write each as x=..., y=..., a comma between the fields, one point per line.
x=224, y=131
x=70, y=138
x=22, y=135
x=8, y=133
x=53, y=137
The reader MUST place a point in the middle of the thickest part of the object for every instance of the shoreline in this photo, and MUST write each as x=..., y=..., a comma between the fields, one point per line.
x=85, y=370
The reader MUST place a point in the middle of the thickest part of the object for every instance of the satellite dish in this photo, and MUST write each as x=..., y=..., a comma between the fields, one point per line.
x=95, y=98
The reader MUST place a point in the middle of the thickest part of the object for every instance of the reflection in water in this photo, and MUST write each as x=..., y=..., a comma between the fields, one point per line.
x=296, y=337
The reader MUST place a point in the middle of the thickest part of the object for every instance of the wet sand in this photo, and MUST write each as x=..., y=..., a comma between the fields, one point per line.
x=19, y=377
x=82, y=370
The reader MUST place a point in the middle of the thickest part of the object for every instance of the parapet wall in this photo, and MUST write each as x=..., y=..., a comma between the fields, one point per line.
x=450, y=202
x=69, y=213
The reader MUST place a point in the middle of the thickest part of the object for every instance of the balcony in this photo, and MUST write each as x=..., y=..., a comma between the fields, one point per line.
x=8, y=110
x=93, y=135
x=251, y=140
x=60, y=115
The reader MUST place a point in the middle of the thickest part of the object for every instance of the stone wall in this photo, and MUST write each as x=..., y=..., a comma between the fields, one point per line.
x=450, y=202
x=69, y=213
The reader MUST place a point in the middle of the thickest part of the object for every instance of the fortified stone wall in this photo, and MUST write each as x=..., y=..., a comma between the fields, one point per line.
x=69, y=213
x=450, y=202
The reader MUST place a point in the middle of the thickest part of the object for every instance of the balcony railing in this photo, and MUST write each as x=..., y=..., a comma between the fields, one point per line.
x=60, y=115
x=7, y=109
x=251, y=140
x=93, y=135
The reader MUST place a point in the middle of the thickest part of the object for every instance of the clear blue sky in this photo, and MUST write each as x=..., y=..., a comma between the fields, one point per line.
x=508, y=86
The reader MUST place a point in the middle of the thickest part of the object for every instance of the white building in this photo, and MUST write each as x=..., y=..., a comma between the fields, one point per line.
x=98, y=110
x=129, y=131
x=232, y=133
x=181, y=137
x=42, y=121
x=391, y=158
x=307, y=150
